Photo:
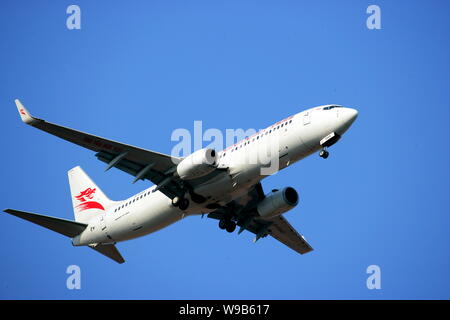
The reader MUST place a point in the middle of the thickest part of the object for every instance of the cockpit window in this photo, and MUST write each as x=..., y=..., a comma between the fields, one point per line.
x=331, y=107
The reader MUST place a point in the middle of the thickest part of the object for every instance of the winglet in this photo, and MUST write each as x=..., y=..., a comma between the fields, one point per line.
x=23, y=112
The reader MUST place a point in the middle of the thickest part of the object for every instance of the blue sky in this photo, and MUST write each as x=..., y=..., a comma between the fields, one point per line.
x=138, y=70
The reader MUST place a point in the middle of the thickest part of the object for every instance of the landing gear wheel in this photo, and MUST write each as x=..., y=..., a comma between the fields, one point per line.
x=324, y=154
x=176, y=201
x=222, y=224
x=184, y=204
x=231, y=226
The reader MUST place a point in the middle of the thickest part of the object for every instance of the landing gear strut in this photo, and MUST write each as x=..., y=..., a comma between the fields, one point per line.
x=180, y=202
x=228, y=225
x=324, y=153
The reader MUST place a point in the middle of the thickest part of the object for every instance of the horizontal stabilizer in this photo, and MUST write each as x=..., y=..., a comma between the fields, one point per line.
x=110, y=251
x=65, y=227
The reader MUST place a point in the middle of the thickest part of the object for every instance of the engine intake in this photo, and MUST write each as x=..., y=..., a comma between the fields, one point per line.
x=277, y=202
x=197, y=164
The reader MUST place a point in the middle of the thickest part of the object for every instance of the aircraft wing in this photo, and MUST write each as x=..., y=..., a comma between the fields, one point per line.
x=278, y=227
x=282, y=230
x=141, y=163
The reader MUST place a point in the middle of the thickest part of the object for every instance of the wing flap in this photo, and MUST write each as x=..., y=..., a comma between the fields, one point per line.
x=134, y=169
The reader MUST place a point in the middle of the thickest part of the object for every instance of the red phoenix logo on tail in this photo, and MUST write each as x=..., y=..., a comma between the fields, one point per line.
x=84, y=196
x=88, y=193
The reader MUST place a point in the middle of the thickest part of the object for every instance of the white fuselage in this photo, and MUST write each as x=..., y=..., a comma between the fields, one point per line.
x=294, y=138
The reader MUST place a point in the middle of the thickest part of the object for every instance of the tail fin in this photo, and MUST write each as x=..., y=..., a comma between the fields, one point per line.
x=87, y=198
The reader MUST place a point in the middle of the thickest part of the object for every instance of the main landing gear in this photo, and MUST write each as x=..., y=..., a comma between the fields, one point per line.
x=226, y=224
x=180, y=202
x=324, y=153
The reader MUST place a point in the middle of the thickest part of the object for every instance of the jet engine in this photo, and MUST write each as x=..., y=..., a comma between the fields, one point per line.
x=277, y=202
x=197, y=164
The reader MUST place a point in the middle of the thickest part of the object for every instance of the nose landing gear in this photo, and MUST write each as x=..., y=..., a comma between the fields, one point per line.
x=324, y=153
x=326, y=142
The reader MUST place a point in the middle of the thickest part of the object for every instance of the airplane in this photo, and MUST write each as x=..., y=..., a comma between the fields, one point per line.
x=217, y=183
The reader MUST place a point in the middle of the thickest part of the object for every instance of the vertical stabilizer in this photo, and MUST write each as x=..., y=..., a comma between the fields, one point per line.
x=87, y=198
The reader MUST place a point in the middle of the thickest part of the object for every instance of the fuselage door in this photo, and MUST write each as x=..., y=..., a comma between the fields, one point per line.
x=283, y=147
x=307, y=118
x=103, y=224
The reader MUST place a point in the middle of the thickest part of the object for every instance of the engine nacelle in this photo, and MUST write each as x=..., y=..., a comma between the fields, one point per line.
x=277, y=202
x=197, y=164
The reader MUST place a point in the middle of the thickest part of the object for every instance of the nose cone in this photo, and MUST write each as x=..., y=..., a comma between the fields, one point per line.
x=346, y=118
x=351, y=115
